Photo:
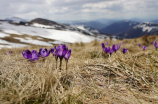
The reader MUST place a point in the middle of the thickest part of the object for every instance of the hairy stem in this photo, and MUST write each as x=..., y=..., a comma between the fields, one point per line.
x=60, y=63
x=66, y=66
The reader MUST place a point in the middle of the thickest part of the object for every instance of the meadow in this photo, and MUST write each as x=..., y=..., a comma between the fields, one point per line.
x=92, y=76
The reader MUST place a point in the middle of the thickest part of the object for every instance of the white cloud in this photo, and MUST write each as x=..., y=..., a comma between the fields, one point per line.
x=78, y=9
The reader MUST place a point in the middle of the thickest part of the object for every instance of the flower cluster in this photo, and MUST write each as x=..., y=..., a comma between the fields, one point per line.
x=144, y=47
x=58, y=52
x=114, y=48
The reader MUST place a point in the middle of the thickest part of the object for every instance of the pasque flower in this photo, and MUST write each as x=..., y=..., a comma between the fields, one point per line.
x=67, y=55
x=152, y=42
x=139, y=45
x=52, y=50
x=124, y=50
x=35, y=55
x=59, y=52
x=102, y=45
x=32, y=56
x=144, y=47
x=106, y=49
x=111, y=51
x=62, y=51
x=44, y=52
x=55, y=53
x=115, y=47
x=156, y=45
x=106, y=43
x=27, y=54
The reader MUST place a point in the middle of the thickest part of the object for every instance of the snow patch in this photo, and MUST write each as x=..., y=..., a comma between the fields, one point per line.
x=35, y=42
x=10, y=44
x=65, y=36
x=2, y=35
x=147, y=26
x=11, y=32
x=42, y=26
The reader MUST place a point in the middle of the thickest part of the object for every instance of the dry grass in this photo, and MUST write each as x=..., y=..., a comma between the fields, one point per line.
x=92, y=77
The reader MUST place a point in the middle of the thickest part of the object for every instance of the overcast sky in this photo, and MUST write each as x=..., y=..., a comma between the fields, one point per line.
x=79, y=9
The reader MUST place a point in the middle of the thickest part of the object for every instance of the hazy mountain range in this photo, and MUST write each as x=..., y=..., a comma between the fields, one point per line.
x=119, y=28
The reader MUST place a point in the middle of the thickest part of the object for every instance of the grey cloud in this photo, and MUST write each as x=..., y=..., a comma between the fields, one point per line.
x=76, y=9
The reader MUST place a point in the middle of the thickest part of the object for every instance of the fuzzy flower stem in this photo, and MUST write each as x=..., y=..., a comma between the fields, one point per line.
x=60, y=63
x=110, y=57
x=43, y=59
x=66, y=66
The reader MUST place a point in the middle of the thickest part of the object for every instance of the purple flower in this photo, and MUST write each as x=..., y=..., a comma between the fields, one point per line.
x=102, y=45
x=152, y=42
x=31, y=55
x=106, y=49
x=115, y=47
x=106, y=43
x=156, y=45
x=124, y=50
x=27, y=54
x=111, y=51
x=144, y=47
x=62, y=51
x=56, y=51
x=52, y=50
x=139, y=45
x=35, y=55
x=44, y=52
x=67, y=56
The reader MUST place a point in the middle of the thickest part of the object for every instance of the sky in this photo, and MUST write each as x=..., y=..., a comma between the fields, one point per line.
x=60, y=10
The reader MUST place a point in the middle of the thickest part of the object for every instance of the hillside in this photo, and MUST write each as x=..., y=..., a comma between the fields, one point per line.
x=145, y=28
x=15, y=19
x=118, y=27
x=92, y=77
x=42, y=32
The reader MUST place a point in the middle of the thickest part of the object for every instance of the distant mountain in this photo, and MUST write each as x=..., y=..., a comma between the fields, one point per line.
x=44, y=23
x=137, y=20
x=105, y=21
x=145, y=28
x=119, y=27
x=15, y=19
x=86, y=28
x=155, y=21
x=93, y=24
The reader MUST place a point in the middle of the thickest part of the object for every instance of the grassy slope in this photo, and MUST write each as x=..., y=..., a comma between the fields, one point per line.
x=92, y=77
